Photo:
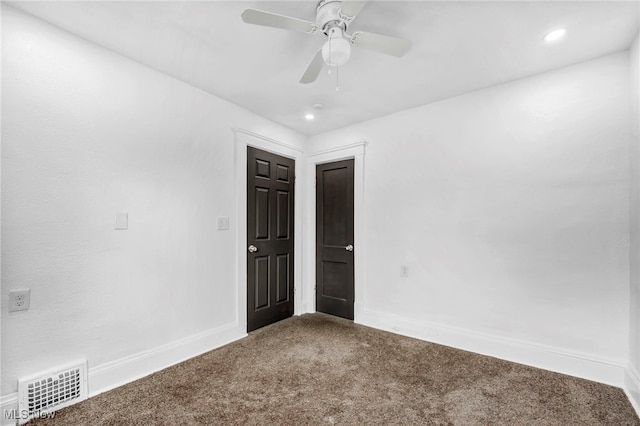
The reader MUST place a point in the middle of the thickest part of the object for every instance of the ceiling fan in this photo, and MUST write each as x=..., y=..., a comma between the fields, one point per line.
x=333, y=18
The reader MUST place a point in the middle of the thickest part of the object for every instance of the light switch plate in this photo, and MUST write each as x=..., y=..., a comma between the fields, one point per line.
x=122, y=221
x=223, y=223
x=404, y=271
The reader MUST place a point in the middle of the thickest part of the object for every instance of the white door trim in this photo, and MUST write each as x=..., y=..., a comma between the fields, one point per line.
x=356, y=152
x=243, y=139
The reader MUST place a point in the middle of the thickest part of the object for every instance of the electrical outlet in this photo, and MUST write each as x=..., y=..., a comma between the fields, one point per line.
x=404, y=271
x=19, y=300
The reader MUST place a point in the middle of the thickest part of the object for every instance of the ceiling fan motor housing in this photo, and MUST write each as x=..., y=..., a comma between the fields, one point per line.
x=328, y=15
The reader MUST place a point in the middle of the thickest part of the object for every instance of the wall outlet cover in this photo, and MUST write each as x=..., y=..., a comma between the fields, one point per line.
x=19, y=300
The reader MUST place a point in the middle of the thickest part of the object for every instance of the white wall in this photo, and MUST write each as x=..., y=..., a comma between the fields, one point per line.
x=87, y=133
x=634, y=249
x=510, y=207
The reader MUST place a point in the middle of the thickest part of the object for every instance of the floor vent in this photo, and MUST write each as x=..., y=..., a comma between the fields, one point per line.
x=50, y=391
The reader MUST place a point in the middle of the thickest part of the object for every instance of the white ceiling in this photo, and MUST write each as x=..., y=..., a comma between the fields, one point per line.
x=457, y=47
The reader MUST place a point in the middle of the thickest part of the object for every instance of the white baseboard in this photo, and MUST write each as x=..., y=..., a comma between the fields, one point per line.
x=303, y=309
x=611, y=372
x=110, y=375
x=358, y=312
x=632, y=387
x=9, y=403
x=117, y=373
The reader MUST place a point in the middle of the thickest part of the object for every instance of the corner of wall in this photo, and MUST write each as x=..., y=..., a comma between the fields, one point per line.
x=632, y=387
x=632, y=377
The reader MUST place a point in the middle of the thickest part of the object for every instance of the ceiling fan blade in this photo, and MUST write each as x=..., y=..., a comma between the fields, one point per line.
x=352, y=7
x=313, y=70
x=381, y=43
x=268, y=19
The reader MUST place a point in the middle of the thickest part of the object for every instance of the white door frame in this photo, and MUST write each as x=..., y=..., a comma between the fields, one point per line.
x=243, y=139
x=356, y=152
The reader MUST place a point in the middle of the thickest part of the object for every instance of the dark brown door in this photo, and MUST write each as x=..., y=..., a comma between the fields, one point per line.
x=270, y=206
x=334, y=238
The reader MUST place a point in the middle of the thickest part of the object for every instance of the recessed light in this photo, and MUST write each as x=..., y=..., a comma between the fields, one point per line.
x=555, y=34
x=309, y=116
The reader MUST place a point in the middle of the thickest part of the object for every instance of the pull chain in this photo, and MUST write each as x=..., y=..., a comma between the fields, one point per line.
x=330, y=62
x=330, y=54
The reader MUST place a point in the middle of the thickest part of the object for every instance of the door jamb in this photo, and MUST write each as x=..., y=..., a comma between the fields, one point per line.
x=244, y=138
x=356, y=152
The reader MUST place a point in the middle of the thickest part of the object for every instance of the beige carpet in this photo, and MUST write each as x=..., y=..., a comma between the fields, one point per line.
x=318, y=369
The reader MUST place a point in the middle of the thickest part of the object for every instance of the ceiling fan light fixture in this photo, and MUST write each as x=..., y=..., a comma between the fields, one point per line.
x=336, y=51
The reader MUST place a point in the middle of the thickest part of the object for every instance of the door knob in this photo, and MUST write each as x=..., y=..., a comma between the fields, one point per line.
x=349, y=247
x=252, y=248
